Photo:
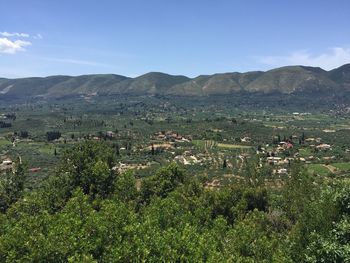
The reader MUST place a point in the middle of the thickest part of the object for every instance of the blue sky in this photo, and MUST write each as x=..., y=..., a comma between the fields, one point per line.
x=188, y=37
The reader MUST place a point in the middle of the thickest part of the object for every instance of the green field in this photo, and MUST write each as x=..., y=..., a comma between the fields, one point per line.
x=209, y=144
x=318, y=169
x=342, y=166
x=233, y=146
x=4, y=142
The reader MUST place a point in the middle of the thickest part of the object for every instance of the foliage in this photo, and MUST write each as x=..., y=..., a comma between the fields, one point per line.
x=11, y=186
x=53, y=135
x=89, y=213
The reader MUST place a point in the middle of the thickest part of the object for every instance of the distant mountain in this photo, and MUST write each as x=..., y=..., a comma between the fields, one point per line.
x=285, y=80
x=216, y=84
x=86, y=84
x=341, y=75
x=150, y=83
x=292, y=79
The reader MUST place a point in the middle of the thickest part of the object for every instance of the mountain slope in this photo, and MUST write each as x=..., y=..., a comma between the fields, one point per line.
x=285, y=80
x=86, y=84
x=341, y=75
x=292, y=79
x=216, y=84
x=29, y=87
x=151, y=83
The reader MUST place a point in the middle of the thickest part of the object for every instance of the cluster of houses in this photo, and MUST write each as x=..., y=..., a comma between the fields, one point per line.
x=187, y=158
x=274, y=157
x=324, y=146
x=171, y=136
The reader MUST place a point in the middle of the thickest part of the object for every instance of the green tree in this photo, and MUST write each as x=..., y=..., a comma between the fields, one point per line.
x=89, y=166
x=125, y=187
x=163, y=182
x=12, y=185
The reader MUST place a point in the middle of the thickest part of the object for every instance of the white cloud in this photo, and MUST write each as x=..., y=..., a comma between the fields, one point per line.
x=333, y=58
x=76, y=61
x=38, y=36
x=14, y=34
x=11, y=47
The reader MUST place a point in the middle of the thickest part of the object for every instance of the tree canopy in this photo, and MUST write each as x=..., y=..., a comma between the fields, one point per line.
x=88, y=212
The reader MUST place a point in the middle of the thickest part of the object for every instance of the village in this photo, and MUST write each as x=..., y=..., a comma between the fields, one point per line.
x=219, y=147
x=229, y=159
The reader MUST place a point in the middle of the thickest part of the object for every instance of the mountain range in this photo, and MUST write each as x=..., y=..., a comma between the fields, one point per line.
x=284, y=80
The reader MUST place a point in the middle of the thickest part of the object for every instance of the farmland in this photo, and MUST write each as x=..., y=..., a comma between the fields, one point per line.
x=201, y=135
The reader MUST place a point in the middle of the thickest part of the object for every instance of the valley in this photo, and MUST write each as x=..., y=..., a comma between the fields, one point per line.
x=212, y=137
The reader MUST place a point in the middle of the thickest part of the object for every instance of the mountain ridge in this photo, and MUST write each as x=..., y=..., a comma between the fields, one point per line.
x=284, y=80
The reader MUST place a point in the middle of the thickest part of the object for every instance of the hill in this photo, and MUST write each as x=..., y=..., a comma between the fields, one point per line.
x=341, y=75
x=285, y=80
x=292, y=79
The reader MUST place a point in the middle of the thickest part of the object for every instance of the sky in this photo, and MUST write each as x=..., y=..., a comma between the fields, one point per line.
x=180, y=37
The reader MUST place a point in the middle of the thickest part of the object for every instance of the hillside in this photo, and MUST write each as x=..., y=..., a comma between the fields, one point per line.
x=291, y=79
x=150, y=83
x=341, y=75
x=285, y=80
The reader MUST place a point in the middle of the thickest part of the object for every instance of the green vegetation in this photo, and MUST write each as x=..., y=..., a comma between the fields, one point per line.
x=158, y=178
x=286, y=80
x=89, y=212
x=342, y=166
x=233, y=146
x=319, y=169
